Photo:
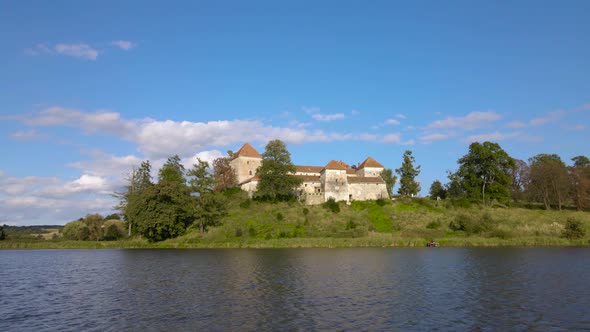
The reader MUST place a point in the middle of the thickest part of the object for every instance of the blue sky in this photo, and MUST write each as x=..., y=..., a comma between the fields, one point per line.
x=89, y=89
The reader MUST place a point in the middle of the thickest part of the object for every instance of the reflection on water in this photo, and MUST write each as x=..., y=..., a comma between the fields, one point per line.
x=540, y=289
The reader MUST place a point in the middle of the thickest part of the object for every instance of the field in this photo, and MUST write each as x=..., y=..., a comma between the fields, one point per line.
x=411, y=222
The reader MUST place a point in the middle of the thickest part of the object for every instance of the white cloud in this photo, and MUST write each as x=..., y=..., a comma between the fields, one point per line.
x=392, y=138
x=429, y=138
x=327, y=117
x=516, y=124
x=409, y=142
x=392, y=122
x=499, y=136
x=124, y=44
x=28, y=135
x=79, y=50
x=367, y=137
x=495, y=136
x=471, y=121
x=551, y=117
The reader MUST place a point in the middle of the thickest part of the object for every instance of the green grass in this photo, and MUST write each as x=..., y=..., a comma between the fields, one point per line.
x=362, y=224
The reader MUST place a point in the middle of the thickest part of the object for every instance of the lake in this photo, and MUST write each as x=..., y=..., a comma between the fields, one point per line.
x=376, y=289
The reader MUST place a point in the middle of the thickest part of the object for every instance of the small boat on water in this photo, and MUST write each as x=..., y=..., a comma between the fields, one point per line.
x=432, y=244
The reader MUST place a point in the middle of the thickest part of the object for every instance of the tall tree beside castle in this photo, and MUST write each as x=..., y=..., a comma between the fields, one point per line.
x=485, y=172
x=224, y=176
x=407, y=176
x=275, y=172
x=389, y=178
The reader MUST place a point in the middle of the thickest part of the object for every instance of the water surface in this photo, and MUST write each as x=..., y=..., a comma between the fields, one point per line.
x=441, y=289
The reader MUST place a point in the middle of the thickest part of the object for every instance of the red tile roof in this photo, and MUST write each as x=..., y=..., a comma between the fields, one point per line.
x=333, y=164
x=247, y=151
x=370, y=162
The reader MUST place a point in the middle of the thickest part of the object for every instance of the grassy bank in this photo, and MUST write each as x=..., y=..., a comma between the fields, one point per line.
x=252, y=224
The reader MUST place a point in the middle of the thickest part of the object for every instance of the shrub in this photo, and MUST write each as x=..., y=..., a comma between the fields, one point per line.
x=246, y=204
x=305, y=211
x=381, y=202
x=252, y=231
x=239, y=232
x=433, y=225
x=280, y=216
x=113, y=230
x=470, y=224
x=350, y=224
x=573, y=229
x=331, y=205
x=76, y=230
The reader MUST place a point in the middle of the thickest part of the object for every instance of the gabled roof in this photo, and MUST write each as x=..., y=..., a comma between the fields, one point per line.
x=370, y=162
x=247, y=151
x=333, y=164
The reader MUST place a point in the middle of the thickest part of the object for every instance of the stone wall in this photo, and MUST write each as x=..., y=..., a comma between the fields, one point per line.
x=368, y=191
x=335, y=184
x=245, y=167
x=313, y=198
x=369, y=171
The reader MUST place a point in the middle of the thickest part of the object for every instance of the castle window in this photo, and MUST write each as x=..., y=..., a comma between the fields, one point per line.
x=306, y=184
x=250, y=172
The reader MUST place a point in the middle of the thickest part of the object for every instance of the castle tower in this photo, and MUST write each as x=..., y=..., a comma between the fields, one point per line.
x=245, y=162
x=334, y=181
x=369, y=168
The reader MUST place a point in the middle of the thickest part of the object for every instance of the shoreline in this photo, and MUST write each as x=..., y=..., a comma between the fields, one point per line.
x=299, y=243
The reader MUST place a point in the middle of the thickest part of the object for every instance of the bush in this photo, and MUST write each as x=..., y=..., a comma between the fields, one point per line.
x=246, y=204
x=280, y=216
x=470, y=224
x=305, y=211
x=113, y=230
x=433, y=225
x=381, y=202
x=573, y=229
x=239, y=232
x=76, y=230
x=252, y=231
x=331, y=205
x=350, y=225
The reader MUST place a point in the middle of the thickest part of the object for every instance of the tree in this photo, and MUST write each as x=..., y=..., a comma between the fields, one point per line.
x=223, y=174
x=201, y=181
x=453, y=188
x=2, y=234
x=437, y=191
x=76, y=231
x=94, y=224
x=137, y=182
x=163, y=210
x=549, y=180
x=389, y=178
x=208, y=209
x=408, y=174
x=275, y=172
x=172, y=171
x=521, y=178
x=580, y=182
x=485, y=172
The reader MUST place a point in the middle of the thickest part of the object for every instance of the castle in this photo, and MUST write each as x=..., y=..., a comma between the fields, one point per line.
x=335, y=180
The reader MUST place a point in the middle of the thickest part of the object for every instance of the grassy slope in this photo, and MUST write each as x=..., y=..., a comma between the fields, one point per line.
x=410, y=223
